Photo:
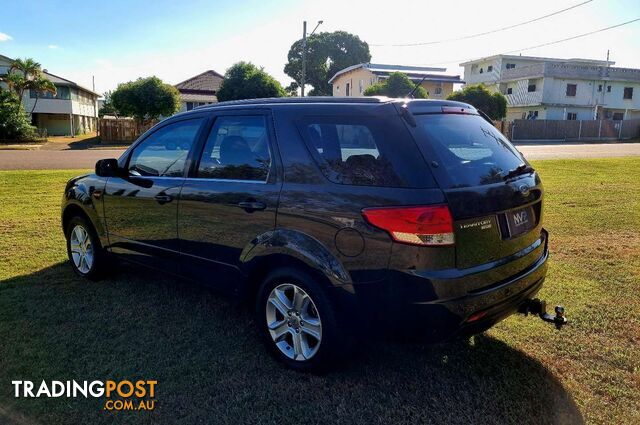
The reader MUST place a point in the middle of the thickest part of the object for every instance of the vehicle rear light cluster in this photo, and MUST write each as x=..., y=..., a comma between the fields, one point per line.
x=424, y=226
x=476, y=316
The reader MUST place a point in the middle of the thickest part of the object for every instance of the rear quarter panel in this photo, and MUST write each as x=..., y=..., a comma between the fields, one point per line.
x=332, y=213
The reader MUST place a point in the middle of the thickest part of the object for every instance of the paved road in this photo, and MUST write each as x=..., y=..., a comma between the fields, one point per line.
x=569, y=151
x=50, y=159
x=75, y=159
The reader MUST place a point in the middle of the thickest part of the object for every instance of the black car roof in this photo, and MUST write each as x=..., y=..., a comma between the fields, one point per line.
x=326, y=100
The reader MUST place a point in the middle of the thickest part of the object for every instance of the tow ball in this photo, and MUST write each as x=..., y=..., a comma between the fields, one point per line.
x=539, y=307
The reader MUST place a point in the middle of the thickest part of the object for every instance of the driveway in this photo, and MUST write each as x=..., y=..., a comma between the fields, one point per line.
x=86, y=158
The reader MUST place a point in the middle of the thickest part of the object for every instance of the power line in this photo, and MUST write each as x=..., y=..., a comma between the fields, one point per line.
x=482, y=33
x=574, y=37
x=543, y=44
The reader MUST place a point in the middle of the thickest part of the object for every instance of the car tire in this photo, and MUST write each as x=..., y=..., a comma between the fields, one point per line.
x=87, y=257
x=316, y=318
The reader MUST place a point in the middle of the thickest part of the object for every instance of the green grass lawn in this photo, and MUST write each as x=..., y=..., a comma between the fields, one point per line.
x=206, y=356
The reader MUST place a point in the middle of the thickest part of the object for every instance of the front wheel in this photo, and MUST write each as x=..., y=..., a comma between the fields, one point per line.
x=84, y=250
x=298, y=322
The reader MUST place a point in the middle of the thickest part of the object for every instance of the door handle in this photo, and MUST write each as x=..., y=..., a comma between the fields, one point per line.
x=163, y=198
x=250, y=206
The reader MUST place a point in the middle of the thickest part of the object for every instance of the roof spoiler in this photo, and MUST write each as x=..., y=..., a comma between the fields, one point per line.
x=460, y=108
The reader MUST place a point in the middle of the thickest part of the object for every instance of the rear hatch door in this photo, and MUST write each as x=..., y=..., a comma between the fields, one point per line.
x=494, y=195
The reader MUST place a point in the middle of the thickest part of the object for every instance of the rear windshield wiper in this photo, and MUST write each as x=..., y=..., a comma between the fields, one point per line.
x=520, y=169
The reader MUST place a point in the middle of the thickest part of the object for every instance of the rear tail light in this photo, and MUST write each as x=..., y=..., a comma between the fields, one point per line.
x=424, y=226
x=476, y=316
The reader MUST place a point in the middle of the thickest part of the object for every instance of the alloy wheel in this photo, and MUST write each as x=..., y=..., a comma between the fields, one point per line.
x=293, y=321
x=81, y=249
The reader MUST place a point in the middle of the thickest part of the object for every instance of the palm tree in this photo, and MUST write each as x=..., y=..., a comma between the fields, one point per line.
x=21, y=72
x=41, y=85
x=26, y=74
x=15, y=83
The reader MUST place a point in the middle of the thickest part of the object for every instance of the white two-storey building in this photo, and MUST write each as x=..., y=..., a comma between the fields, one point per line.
x=73, y=110
x=559, y=89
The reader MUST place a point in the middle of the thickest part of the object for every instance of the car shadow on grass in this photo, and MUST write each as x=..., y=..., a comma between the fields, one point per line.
x=96, y=142
x=210, y=366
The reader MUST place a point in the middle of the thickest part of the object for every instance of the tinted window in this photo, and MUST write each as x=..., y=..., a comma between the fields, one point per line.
x=62, y=92
x=472, y=151
x=164, y=152
x=366, y=151
x=237, y=149
x=628, y=93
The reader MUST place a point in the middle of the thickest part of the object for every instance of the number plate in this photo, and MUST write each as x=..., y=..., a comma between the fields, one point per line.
x=520, y=221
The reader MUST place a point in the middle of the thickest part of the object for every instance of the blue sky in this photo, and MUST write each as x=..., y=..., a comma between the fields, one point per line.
x=118, y=25
x=118, y=41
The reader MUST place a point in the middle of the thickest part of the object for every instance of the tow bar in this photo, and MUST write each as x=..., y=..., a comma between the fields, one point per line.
x=539, y=307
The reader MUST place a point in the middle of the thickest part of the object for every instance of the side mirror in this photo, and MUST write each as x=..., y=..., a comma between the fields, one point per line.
x=107, y=168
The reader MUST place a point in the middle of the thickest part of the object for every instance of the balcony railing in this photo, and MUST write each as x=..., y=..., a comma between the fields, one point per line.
x=568, y=70
x=524, y=98
x=536, y=70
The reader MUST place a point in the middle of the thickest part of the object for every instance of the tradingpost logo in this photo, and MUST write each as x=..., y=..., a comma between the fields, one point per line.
x=118, y=395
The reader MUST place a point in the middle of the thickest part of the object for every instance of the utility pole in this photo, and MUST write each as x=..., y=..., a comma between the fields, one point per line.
x=304, y=54
x=304, y=57
x=605, y=78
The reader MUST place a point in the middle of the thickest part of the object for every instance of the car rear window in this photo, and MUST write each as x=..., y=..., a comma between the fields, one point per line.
x=470, y=150
x=367, y=151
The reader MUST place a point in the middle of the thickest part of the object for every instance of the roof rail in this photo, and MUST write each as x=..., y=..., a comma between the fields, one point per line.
x=310, y=99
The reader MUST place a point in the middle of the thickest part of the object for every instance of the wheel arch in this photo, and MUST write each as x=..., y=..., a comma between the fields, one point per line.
x=83, y=197
x=73, y=209
x=70, y=211
x=290, y=248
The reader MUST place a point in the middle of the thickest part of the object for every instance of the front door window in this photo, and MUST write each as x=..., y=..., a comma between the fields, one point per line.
x=163, y=154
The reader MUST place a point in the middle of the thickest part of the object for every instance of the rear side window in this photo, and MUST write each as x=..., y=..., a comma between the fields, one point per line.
x=237, y=149
x=365, y=151
x=471, y=151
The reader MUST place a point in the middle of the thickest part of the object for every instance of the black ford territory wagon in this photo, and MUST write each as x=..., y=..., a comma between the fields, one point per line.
x=334, y=216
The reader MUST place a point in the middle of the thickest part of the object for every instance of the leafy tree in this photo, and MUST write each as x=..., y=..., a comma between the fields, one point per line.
x=107, y=107
x=26, y=74
x=244, y=80
x=14, y=122
x=397, y=85
x=492, y=104
x=146, y=99
x=327, y=53
x=292, y=89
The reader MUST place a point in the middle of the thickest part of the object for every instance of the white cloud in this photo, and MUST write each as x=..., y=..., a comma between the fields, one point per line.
x=5, y=37
x=53, y=46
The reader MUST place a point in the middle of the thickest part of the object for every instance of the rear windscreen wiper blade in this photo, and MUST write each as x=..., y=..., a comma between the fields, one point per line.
x=520, y=169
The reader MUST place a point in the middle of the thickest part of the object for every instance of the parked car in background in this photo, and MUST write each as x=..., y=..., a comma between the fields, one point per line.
x=336, y=217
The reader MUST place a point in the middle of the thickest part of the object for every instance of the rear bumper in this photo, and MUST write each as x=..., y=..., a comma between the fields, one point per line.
x=442, y=304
